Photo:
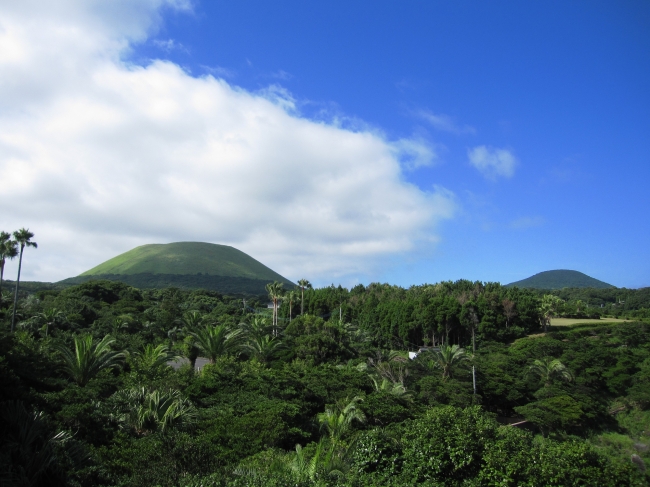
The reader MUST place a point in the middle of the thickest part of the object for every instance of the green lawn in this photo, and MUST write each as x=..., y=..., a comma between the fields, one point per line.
x=577, y=321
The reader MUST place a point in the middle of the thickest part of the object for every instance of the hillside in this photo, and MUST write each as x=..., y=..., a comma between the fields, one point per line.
x=559, y=279
x=186, y=264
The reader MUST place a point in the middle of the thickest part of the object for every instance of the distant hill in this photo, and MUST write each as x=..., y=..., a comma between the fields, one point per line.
x=186, y=264
x=560, y=279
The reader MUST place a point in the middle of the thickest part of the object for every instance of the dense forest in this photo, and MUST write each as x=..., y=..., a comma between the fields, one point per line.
x=105, y=384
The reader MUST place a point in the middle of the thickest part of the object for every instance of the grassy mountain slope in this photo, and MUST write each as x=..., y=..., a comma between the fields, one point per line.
x=560, y=279
x=186, y=258
x=186, y=265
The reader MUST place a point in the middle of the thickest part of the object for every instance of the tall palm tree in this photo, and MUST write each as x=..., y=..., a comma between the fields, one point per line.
x=550, y=367
x=304, y=284
x=215, y=341
x=291, y=297
x=447, y=357
x=89, y=357
x=8, y=250
x=23, y=238
x=276, y=291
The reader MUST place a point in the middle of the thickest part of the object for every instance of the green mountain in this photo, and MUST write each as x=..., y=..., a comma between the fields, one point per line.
x=186, y=264
x=560, y=279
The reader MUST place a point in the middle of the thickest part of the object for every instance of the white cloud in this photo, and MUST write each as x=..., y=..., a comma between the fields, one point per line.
x=493, y=163
x=445, y=123
x=170, y=45
x=98, y=155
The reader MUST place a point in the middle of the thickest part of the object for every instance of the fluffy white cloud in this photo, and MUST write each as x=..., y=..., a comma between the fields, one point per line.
x=98, y=155
x=493, y=163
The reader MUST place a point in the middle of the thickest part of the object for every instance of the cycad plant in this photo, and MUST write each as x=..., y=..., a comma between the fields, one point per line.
x=215, y=341
x=89, y=357
x=148, y=411
x=33, y=450
x=396, y=389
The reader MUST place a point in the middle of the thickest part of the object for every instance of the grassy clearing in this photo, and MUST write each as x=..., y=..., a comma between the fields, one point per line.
x=579, y=321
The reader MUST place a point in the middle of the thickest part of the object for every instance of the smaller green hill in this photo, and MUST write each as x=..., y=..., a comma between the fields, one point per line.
x=560, y=279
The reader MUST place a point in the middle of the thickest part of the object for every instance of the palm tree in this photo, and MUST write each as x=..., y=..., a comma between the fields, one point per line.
x=304, y=284
x=291, y=297
x=549, y=308
x=151, y=357
x=147, y=412
x=447, y=357
x=550, y=367
x=337, y=421
x=191, y=321
x=8, y=250
x=276, y=291
x=23, y=238
x=215, y=341
x=263, y=348
x=89, y=357
x=49, y=317
x=257, y=327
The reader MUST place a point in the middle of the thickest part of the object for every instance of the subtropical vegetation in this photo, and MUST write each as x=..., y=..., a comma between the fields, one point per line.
x=455, y=384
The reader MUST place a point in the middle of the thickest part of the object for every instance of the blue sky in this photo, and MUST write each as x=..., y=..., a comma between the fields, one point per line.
x=560, y=91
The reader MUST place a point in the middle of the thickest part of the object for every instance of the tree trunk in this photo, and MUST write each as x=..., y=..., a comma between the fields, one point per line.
x=302, y=300
x=473, y=340
x=13, y=316
x=2, y=273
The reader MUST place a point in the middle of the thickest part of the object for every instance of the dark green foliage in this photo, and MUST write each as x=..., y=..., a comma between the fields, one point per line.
x=422, y=426
x=223, y=284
